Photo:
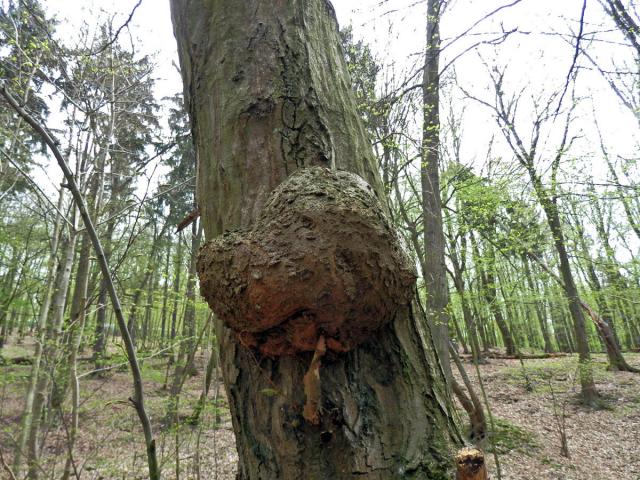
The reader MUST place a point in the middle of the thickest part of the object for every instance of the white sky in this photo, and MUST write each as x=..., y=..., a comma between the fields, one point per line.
x=395, y=30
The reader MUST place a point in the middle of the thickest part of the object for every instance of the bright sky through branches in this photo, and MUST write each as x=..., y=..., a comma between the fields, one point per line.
x=538, y=55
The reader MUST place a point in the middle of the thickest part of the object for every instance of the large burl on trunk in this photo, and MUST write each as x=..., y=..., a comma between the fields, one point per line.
x=321, y=260
x=269, y=95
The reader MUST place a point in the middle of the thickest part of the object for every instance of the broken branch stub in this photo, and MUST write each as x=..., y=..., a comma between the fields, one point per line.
x=470, y=464
x=322, y=259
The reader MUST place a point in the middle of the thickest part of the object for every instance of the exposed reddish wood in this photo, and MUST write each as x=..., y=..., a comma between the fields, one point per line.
x=312, y=385
x=188, y=220
x=321, y=260
x=470, y=465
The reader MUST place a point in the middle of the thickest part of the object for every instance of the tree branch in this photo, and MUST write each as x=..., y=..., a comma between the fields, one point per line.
x=52, y=143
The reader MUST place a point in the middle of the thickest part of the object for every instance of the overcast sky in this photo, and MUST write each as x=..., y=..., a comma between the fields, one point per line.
x=537, y=57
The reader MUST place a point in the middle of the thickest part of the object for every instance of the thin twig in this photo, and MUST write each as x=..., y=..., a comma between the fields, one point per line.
x=6, y=467
x=575, y=57
x=138, y=401
x=35, y=185
x=117, y=34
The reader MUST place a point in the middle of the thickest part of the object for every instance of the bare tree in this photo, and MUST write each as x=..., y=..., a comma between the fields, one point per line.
x=545, y=187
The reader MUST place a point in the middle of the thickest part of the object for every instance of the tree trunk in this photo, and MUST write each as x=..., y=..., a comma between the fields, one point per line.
x=472, y=330
x=186, y=351
x=27, y=413
x=268, y=93
x=69, y=371
x=165, y=295
x=589, y=392
x=212, y=368
x=147, y=274
x=50, y=347
x=604, y=322
x=471, y=403
x=435, y=271
x=539, y=307
x=490, y=293
x=100, y=343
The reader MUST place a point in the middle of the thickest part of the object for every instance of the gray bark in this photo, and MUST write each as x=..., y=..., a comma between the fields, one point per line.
x=268, y=93
x=435, y=272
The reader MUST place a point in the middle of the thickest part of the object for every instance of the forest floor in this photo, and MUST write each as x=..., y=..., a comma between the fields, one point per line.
x=602, y=442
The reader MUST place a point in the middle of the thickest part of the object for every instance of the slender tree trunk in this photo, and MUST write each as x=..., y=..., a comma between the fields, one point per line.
x=27, y=412
x=589, y=392
x=435, y=273
x=70, y=372
x=490, y=293
x=556, y=312
x=459, y=335
x=174, y=311
x=604, y=324
x=268, y=93
x=188, y=344
x=138, y=396
x=50, y=347
x=165, y=295
x=539, y=307
x=212, y=368
x=100, y=344
x=11, y=287
x=147, y=274
x=470, y=325
x=147, y=324
x=471, y=403
x=176, y=289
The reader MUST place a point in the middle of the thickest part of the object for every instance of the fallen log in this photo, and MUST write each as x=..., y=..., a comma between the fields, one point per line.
x=525, y=356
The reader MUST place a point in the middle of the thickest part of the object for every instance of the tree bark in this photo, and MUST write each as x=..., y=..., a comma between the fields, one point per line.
x=588, y=392
x=604, y=322
x=51, y=338
x=165, y=295
x=100, y=342
x=183, y=364
x=539, y=307
x=435, y=271
x=490, y=293
x=268, y=93
x=27, y=413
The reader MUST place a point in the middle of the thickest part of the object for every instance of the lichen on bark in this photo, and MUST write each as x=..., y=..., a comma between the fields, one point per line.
x=322, y=259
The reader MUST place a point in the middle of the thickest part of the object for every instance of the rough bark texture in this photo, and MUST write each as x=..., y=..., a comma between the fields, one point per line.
x=268, y=93
x=322, y=259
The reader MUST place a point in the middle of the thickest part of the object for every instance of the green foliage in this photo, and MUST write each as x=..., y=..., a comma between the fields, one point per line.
x=510, y=437
x=488, y=207
x=25, y=55
x=181, y=179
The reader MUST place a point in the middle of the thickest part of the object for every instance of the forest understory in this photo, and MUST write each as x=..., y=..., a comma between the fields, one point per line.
x=369, y=202
x=521, y=398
